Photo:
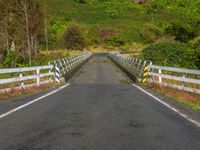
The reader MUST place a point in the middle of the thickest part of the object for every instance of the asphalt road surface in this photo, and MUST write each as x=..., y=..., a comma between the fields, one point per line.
x=98, y=111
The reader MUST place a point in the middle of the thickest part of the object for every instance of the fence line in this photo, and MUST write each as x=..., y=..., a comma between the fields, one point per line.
x=182, y=79
x=179, y=78
x=134, y=66
x=68, y=65
x=25, y=74
x=35, y=76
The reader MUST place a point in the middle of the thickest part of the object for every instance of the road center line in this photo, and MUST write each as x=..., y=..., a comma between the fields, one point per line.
x=33, y=101
x=197, y=123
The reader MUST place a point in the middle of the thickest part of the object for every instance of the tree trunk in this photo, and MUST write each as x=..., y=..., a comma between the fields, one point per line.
x=7, y=41
x=35, y=47
x=25, y=5
x=46, y=35
x=32, y=43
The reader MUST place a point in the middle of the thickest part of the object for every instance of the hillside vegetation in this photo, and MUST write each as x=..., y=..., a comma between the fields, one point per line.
x=125, y=25
x=157, y=26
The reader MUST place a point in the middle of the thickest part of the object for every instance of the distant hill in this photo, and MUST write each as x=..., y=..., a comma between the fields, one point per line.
x=129, y=22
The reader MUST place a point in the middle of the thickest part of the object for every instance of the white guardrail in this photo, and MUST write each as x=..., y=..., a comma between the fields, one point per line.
x=20, y=78
x=134, y=66
x=182, y=79
x=68, y=65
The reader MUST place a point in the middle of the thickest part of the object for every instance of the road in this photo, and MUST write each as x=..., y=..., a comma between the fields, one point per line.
x=98, y=111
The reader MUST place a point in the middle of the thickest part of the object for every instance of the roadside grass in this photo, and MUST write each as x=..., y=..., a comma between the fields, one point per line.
x=134, y=48
x=189, y=99
x=101, y=48
x=32, y=90
x=61, y=52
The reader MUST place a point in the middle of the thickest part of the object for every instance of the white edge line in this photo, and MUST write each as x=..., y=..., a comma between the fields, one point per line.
x=197, y=123
x=33, y=101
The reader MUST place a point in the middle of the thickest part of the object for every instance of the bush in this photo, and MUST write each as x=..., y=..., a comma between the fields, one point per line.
x=80, y=1
x=125, y=48
x=13, y=60
x=3, y=54
x=119, y=40
x=73, y=38
x=181, y=32
x=44, y=58
x=151, y=33
x=105, y=34
x=166, y=54
x=194, y=52
x=165, y=39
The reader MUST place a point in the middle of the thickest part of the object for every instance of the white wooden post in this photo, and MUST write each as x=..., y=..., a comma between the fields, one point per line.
x=160, y=75
x=38, y=77
x=21, y=81
x=183, y=83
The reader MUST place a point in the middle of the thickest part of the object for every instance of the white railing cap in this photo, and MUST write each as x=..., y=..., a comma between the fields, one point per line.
x=25, y=69
x=173, y=69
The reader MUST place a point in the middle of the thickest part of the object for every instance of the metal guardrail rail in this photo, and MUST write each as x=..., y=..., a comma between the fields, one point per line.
x=134, y=66
x=35, y=76
x=68, y=64
x=179, y=78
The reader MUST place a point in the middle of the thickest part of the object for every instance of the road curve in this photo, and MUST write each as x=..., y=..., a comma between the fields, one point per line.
x=98, y=111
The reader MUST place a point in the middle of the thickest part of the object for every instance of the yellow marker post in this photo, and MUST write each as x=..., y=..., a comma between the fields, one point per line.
x=145, y=74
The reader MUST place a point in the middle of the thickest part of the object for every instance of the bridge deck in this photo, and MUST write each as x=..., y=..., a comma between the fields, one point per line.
x=98, y=111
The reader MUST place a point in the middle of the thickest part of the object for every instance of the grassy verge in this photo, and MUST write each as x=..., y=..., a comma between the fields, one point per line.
x=189, y=99
x=32, y=90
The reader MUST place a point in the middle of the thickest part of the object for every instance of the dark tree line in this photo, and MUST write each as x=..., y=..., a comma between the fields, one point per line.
x=21, y=27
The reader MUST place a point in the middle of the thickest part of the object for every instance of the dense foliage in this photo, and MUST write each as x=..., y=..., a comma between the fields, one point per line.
x=166, y=24
x=169, y=53
x=21, y=29
x=73, y=38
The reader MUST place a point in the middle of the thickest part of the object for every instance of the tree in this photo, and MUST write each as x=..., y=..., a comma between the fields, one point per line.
x=74, y=38
x=4, y=22
x=22, y=23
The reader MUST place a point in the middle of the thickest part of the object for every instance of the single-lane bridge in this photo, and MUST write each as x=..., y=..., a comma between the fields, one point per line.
x=99, y=110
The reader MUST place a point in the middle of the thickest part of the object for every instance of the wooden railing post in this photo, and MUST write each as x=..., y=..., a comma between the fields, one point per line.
x=21, y=81
x=160, y=75
x=38, y=77
x=183, y=83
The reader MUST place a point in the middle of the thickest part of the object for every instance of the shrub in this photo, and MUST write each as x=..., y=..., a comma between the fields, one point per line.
x=106, y=33
x=165, y=39
x=73, y=38
x=3, y=54
x=13, y=60
x=181, y=32
x=44, y=58
x=80, y=1
x=125, y=48
x=118, y=40
x=166, y=54
x=194, y=52
x=195, y=43
x=151, y=33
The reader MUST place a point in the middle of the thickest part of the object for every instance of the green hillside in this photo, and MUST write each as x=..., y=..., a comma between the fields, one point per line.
x=126, y=18
x=128, y=26
x=92, y=17
x=154, y=28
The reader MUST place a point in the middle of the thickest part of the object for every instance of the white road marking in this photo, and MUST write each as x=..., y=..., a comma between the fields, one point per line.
x=33, y=101
x=197, y=123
